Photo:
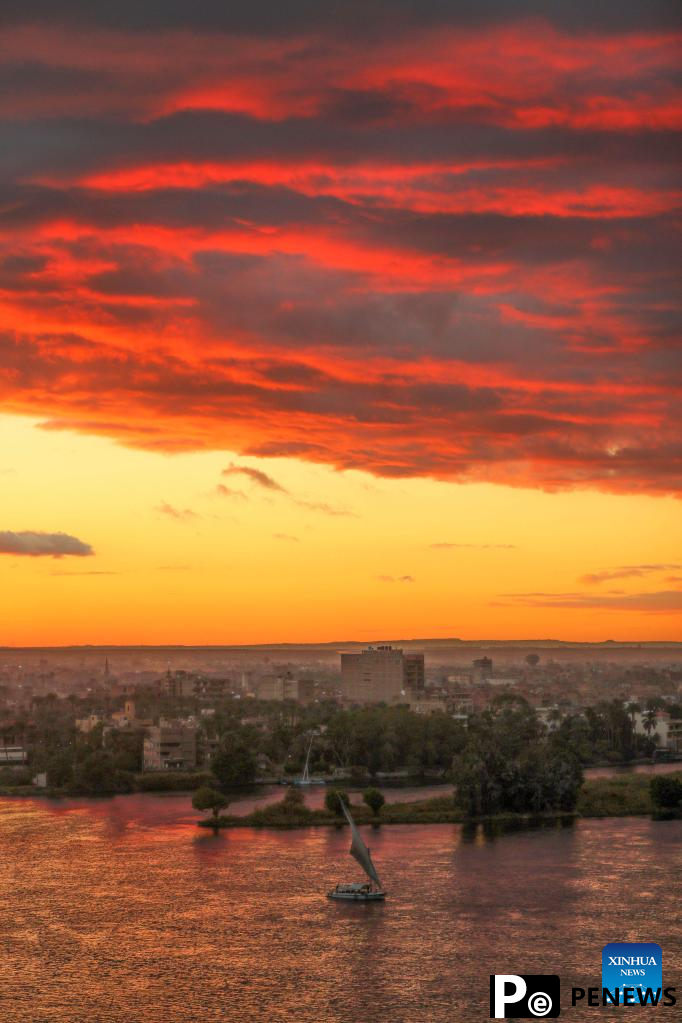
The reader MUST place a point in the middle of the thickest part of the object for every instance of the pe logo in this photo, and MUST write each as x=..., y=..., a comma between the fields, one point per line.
x=525, y=996
x=631, y=965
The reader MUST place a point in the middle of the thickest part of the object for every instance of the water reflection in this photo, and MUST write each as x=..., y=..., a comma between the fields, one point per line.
x=490, y=830
x=158, y=920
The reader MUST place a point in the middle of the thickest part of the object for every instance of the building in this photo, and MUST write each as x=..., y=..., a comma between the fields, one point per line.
x=461, y=704
x=170, y=746
x=413, y=671
x=210, y=688
x=666, y=731
x=675, y=735
x=176, y=684
x=381, y=673
x=286, y=687
x=182, y=684
x=424, y=705
x=482, y=669
x=124, y=718
x=87, y=724
x=13, y=756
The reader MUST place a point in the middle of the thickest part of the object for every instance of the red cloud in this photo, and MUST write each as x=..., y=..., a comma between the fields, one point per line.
x=443, y=248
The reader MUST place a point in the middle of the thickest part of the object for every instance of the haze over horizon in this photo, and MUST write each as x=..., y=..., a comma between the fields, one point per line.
x=321, y=322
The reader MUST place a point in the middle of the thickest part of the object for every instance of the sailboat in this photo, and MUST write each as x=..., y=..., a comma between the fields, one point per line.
x=307, y=778
x=371, y=891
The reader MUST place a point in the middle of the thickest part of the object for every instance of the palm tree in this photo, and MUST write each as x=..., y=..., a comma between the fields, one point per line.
x=649, y=721
x=633, y=708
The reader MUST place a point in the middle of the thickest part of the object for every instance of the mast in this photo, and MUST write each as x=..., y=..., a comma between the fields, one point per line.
x=359, y=850
x=306, y=775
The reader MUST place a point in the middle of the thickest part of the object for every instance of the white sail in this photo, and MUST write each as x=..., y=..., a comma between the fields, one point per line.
x=306, y=772
x=359, y=850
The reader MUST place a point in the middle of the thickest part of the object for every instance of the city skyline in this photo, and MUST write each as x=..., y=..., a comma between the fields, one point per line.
x=316, y=326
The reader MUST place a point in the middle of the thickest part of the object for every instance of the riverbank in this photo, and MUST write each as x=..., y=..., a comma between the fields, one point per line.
x=154, y=783
x=616, y=795
x=627, y=796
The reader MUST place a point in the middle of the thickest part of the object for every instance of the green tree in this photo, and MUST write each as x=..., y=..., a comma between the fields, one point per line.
x=235, y=762
x=374, y=799
x=59, y=769
x=333, y=799
x=207, y=798
x=97, y=774
x=125, y=747
x=293, y=798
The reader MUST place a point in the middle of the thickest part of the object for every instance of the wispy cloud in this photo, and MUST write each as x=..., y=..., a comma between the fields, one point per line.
x=321, y=506
x=82, y=573
x=32, y=544
x=180, y=514
x=222, y=491
x=285, y=536
x=257, y=476
x=396, y=579
x=626, y=572
x=445, y=545
x=269, y=483
x=661, y=601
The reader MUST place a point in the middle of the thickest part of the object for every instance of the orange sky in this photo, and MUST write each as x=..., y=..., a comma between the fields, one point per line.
x=315, y=328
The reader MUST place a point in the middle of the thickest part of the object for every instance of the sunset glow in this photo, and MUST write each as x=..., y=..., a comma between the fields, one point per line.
x=315, y=332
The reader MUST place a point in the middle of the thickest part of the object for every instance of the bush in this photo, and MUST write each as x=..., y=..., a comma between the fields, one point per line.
x=173, y=781
x=666, y=791
x=615, y=797
x=14, y=776
x=289, y=813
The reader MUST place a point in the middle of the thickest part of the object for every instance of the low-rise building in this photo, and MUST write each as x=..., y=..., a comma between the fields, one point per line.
x=675, y=735
x=87, y=724
x=124, y=718
x=13, y=756
x=170, y=746
x=425, y=705
x=461, y=704
x=286, y=687
x=183, y=684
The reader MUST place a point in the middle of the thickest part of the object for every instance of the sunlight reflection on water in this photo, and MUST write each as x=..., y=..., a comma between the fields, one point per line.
x=122, y=910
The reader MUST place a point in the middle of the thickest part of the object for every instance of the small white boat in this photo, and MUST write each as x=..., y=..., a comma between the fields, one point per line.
x=366, y=891
x=306, y=778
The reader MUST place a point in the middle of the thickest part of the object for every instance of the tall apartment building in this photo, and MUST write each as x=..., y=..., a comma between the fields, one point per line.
x=171, y=746
x=380, y=673
x=413, y=668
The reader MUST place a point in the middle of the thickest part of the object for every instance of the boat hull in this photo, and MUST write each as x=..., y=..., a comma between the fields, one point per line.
x=357, y=896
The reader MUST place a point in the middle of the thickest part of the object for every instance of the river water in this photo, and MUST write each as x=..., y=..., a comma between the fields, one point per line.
x=122, y=910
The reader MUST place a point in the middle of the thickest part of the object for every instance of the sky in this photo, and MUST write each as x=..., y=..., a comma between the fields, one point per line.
x=327, y=321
